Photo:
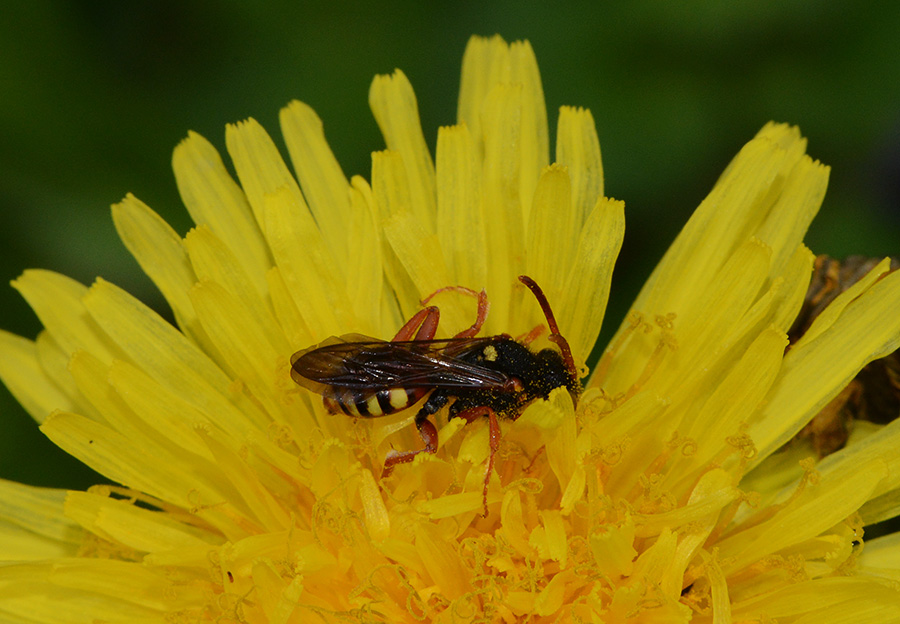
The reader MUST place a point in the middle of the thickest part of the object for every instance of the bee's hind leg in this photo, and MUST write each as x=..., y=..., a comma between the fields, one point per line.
x=427, y=431
x=422, y=326
x=483, y=307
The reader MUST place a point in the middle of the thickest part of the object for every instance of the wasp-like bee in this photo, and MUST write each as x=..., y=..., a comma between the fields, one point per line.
x=874, y=394
x=495, y=376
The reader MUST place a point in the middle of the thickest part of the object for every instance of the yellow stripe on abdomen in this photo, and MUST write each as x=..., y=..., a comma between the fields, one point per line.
x=398, y=398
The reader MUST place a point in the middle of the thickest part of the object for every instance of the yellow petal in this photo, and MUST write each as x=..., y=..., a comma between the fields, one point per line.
x=737, y=397
x=817, y=508
x=574, y=490
x=613, y=549
x=503, y=204
x=885, y=502
x=811, y=376
x=420, y=254
x=512, y=521
x=881, y=508
x=656, y=560
x=259, y=167
x=711, y=486
x=535, y=144
x=730, y=295
x=140, y=529
x=113, y=455
x=793, y=290
x=394, y=104
x=581, y=310
x=699, y=510
x=57, y=301
x=789, y=218
x=391, y=193
x=555, y=534
x=214, y=199
x=163, y=352
x=92, y=378
x=236, y=337
x=827, y=600
x=700, y=355
x=561, y=447
x=460, y=214
x=136, y=583
x=37, y=513
x=552, y=220
x=365, y=278
x=324, y=184
x=578, y=148
x=305, y=264
x=881, y=557
x=257, y=502
x=378, y=521
x=719, y=590
x=733, y=212
x=25, y=379
x=452, y=505
x=830, y=314
x=485, y=63
x=550, y=599
x=173, y=418
x=441, y=561
x=55, y=364
x=295, y=329
x=212, y=261
x=159, y=251
x=52, y=594
x=18, y=544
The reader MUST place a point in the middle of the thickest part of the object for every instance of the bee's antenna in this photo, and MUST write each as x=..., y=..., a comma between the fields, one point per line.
x=555, y=336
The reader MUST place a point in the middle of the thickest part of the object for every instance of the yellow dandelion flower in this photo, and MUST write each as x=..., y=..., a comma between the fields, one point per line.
x=663, y=495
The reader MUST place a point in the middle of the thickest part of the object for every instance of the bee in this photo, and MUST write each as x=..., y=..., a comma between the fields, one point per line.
x=494, y=376
x=874, y=394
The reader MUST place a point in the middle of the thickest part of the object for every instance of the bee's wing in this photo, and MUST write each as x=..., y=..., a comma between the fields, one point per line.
x=361, y=363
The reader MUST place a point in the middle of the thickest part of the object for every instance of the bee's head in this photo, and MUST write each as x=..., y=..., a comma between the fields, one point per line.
x=553, y=372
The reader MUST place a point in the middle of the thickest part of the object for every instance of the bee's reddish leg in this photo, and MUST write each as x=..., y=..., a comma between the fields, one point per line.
x=483, y=308
x=429, y=437
x=462, y=289
x=422, y=326
x=494, y=435
x=531, y=336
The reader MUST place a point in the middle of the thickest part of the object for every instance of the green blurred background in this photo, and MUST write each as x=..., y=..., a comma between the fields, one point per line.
x=96, y=94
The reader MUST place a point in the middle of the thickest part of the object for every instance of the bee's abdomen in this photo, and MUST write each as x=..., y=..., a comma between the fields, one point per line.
x=371, y=404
